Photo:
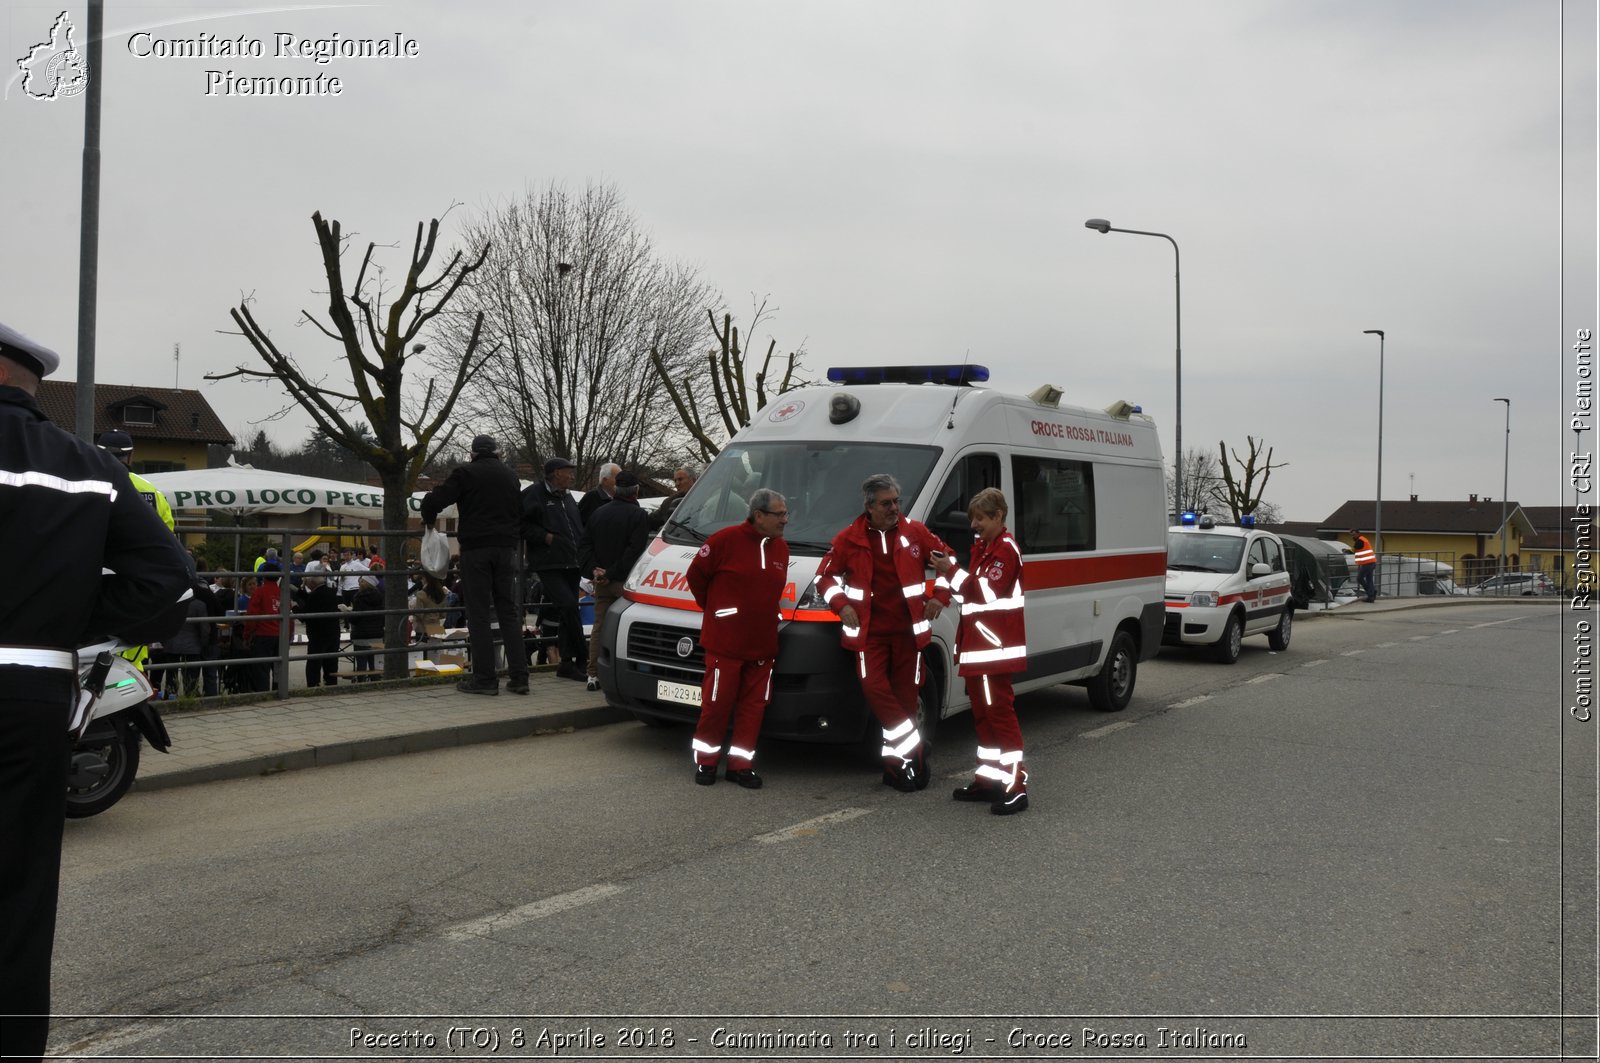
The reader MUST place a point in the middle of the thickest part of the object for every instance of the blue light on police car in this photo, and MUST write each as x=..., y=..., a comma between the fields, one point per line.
x=1188, y=518
x=1247, y=520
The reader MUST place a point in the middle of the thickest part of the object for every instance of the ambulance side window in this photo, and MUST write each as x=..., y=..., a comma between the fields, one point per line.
x=947, y=518
x=1053, y=511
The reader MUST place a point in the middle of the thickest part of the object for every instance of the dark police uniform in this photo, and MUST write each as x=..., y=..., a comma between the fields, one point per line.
x=67, y=510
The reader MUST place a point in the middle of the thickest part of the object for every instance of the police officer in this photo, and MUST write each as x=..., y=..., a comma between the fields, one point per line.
x=119, y=445
x=67, y=511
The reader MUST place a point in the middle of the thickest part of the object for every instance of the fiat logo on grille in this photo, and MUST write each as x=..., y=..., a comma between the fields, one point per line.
x=685, y=646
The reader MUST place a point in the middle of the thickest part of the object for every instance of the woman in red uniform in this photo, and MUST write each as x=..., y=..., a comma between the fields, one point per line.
x=990, y=646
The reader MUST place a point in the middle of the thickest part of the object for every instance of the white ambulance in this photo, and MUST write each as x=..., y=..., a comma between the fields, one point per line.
x=1223, y=583
x=1087, y=504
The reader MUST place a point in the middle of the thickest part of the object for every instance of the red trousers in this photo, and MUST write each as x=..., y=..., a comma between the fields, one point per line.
x=994, y=717
x=891, y=674
x=736, y=688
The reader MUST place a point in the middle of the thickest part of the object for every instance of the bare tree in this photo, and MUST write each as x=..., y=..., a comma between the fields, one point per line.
x=723, y=373
x=375, y=329
x=1243, y=492
x=1202, y=485
x=576, y=299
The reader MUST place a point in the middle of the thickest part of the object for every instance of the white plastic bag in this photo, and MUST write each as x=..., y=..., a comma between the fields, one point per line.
x=435, y=552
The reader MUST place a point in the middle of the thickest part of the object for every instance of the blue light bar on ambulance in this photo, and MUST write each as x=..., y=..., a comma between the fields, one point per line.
x=1188, y=518
x=1247, y=520
x=908, y=374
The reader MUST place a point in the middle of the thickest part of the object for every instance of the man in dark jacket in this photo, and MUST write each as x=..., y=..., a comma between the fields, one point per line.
x=604, y=491
x=485, y=493
x=89, y=558
x=613, y=540
x=551, y=528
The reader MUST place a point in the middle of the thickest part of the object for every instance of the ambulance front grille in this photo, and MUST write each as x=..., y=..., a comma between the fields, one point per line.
x=659, y=643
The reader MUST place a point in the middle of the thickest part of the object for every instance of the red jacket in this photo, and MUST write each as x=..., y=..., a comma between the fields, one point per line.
x=992, y=636
x=845, y=575
x=264, y=603
x=737, y=579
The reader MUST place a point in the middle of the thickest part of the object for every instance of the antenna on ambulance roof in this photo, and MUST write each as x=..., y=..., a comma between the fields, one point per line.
x=950, y=421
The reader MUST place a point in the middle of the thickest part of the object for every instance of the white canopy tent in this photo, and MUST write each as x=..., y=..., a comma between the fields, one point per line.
x=241, y=491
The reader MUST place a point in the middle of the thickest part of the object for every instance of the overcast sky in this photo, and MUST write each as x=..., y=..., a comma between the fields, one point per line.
x=908, y=182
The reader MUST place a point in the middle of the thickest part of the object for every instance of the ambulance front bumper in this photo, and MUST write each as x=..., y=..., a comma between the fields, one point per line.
x=644, y=668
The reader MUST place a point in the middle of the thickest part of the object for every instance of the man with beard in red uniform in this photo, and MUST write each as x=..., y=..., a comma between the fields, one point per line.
x=874, y=577
x=737, y=579
x=990, y=646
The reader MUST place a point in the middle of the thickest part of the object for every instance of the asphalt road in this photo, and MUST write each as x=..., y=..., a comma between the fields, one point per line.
x=1354, y=847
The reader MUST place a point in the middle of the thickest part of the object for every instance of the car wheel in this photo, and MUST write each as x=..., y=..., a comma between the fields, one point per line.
x=1279, y=638
x=1227, y=648
x=1112, y=688
x=930, y=699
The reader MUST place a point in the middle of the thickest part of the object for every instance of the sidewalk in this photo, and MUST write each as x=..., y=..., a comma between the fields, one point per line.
x=377, y=720
x=370, y=721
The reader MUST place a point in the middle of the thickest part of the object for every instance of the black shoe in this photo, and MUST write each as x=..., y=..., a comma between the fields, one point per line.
x=904, y=779
x=472, y=686
x=1010, y=804
x=591, y=683
x=746, y=778
x=518, y=688
x=704, y=776
x=575, y=675
x=976, y=791
x=923, y=774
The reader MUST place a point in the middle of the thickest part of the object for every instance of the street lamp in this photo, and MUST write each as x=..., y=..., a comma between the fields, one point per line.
x=1377, y=517
x=1102, y=226
x=1505, y=481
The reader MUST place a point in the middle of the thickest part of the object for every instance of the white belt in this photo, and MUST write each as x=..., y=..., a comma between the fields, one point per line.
x=34, y=658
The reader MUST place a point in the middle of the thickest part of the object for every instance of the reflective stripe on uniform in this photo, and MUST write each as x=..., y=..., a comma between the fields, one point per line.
x=1005, y=653
x=33, y=657
x=56, y=483
x=742, y=754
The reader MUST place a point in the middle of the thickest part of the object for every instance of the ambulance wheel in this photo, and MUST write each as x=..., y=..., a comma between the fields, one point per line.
x=1112, y=689
x=1279, y=638
x=1226, y=650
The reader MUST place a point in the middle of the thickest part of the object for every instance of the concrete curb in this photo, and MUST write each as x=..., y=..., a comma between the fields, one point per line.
x=1360, y=610
x=378, y=747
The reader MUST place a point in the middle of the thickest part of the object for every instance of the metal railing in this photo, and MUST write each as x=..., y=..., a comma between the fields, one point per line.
x=225, y=666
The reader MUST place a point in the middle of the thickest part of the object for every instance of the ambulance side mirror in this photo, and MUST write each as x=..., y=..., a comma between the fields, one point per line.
x=1260, y=569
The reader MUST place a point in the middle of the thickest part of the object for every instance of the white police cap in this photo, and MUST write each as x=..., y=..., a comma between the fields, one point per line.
x=35, y=356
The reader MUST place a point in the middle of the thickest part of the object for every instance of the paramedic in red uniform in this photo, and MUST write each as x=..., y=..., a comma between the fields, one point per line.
x=990, y=646
x=737, y=579
x=874, y=577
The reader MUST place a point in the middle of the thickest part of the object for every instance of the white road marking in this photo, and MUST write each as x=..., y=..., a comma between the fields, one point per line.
x=1507, y=620
x=810, y=827
x=108, y=1043
x=1419, y=638
x=1452, y=631
x=1110, y=728
x=1264, y=678
x=1189, y=701
x=1313, y=664
x=1386, y=645
x=1351, y=653
x=515, y=917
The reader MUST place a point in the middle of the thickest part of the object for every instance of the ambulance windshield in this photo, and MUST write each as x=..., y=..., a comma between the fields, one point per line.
x=1203, y=552
x=820, y=481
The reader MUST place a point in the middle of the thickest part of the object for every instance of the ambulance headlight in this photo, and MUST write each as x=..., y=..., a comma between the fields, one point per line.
x=1203, y=599
x=811, y=598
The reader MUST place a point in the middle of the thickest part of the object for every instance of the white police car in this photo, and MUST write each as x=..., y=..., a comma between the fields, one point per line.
x=1223, y=583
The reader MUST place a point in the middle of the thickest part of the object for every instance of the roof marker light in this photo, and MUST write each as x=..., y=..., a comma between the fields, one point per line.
x=1188, y=517
x=908, y=374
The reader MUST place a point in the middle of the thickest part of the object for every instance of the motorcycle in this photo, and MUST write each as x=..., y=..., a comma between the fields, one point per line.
x=112, y=715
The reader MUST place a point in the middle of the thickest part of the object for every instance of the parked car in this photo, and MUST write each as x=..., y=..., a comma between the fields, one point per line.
x=1526, y=584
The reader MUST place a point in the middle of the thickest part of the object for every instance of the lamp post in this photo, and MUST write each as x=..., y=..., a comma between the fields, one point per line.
x=1377, y=517
x=1505, y=481
x=1103, y=226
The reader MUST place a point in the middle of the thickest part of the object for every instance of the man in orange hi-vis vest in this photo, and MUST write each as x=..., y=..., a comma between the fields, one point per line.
x=1366, y=564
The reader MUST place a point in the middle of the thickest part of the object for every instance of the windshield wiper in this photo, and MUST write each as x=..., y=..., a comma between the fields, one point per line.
x=822, y=547
x=1189, y=568
x=685, y=528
